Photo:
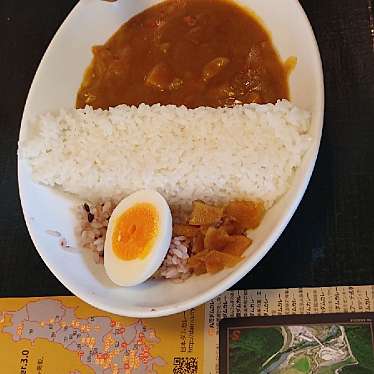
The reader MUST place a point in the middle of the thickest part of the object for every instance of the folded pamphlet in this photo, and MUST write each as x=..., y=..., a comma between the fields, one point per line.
x=305, y=330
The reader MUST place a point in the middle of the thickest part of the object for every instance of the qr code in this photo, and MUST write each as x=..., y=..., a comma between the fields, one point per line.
x=185, y=365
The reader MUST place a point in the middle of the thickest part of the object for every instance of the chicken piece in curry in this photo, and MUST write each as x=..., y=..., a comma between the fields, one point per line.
x=186, y=52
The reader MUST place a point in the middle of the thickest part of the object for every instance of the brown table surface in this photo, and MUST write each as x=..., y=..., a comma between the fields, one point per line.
x=330, y=240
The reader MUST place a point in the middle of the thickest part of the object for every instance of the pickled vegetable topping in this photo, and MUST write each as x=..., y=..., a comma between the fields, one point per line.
x=218, y=235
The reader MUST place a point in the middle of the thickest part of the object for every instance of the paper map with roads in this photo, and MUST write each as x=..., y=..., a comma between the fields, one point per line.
x=65, y=335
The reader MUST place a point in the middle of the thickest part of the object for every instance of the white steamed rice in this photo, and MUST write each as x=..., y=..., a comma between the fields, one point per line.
x=215, y=155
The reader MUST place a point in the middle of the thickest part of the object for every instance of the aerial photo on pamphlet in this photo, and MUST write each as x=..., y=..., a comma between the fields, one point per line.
x=295, y=349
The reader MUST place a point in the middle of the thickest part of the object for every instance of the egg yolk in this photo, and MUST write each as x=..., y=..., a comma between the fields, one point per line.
x=135, y=232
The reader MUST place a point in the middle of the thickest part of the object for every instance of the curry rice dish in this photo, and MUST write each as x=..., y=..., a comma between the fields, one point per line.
x=177, y=79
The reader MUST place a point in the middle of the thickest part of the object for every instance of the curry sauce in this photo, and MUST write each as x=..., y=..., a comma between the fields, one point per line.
x=186, y=52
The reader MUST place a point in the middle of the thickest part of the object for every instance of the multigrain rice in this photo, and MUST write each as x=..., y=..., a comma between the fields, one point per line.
x=175, y=265
x=91, y=232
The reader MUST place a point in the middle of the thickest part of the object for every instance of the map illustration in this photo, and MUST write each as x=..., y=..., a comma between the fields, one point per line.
x=309, y=349
x=104, y=345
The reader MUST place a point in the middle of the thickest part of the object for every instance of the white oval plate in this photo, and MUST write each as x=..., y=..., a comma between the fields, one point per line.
x=55, y=85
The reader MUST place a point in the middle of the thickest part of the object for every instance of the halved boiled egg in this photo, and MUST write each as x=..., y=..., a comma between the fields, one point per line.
x=138, y=238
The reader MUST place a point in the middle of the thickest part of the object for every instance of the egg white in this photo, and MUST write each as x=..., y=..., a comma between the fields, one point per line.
x=133, y=272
